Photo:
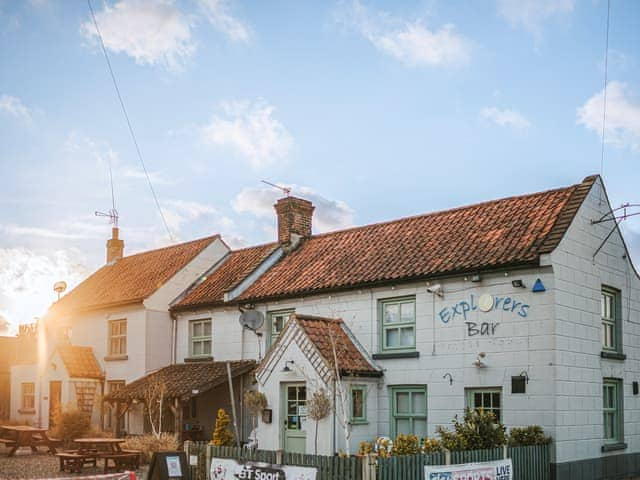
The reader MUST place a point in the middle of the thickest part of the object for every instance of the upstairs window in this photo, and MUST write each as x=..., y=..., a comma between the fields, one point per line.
x=28, y=400
x=398, y=324
x=277, y=321
x=118, y=337
x=200, y=338
x=611, y=321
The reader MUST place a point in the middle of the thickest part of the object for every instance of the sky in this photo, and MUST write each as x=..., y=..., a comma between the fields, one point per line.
x=371, y=109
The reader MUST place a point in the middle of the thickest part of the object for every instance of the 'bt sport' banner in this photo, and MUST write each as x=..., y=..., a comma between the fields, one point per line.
x=499, y=470
x=229, y=469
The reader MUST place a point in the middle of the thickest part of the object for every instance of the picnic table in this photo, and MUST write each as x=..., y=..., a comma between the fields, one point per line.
x=108, y=449
x=25, y=436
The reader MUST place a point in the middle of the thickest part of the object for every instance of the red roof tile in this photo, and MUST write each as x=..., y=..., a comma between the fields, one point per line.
x=131, y=279
x=235, y=268
x=509, y=232
x=80, y=362
x=324, y=333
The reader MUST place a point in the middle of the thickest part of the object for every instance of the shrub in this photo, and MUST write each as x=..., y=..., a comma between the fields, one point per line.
x=70, y=424
x=365, y=448
x=531, y=435
x=149, y=443
x=406, y=445
x=430, y=445
x=479, y=430
x=383, y=446
x=222, y=436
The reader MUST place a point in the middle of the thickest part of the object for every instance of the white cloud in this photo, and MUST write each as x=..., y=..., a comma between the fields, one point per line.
x=505, y=117
x=531, y=14
x=329, y=214
x=179, y=212
x=623, y=116
x=27, y=278
x=408, y=41
x=151, y=31
x=250, y=129
x=14, y=107
x=218, y=13
x=137, y=173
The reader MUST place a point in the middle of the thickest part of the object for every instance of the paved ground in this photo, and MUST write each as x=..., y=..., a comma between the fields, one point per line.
x=37, y=465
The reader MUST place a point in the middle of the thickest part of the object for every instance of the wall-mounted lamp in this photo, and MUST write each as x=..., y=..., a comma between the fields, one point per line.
x=435, y=289
x=288, y=368
x=479, y=363
x=450, y=378
x=518, y=283
x=475, y=278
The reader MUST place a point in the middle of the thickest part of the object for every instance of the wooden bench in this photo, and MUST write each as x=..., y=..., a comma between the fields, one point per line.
x=129, y=460
x=8, y=442
x=74, y=461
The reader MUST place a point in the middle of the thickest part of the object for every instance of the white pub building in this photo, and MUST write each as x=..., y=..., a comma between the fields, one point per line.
x=527, y=306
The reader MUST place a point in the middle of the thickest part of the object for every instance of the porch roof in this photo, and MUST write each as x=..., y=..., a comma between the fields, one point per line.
x=182, y=379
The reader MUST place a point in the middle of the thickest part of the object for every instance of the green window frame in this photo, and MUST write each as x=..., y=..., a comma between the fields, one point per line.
x=200, y=337
x=611, y=313
x=276, y=321
x=612, y=410
x=397, y=324
x=358, y=403
x=488, y=399
x=409, y=410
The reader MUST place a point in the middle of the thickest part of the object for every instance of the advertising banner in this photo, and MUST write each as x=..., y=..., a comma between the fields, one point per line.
x=230, y=469
x=498, y=470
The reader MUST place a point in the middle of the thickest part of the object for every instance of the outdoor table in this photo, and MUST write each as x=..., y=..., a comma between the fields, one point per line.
x=111, y=445
x=108, y=449
x=25, y=436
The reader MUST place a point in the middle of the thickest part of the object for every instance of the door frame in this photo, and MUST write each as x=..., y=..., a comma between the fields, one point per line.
x=283, y=411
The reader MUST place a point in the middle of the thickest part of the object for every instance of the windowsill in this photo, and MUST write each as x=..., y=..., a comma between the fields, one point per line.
x=207, y=358
x=392, y=355
x=612, y=447
x=613, y=355
x=27, y=412
x=115, y=358
x=359, y=422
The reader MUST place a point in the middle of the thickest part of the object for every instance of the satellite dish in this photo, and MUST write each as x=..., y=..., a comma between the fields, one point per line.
x=59, y=288
x=251, y=319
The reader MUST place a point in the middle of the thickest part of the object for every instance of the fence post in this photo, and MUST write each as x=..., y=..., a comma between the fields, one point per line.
x=368, y=467
x=504, y=451
x=207, y=463
x=279, y=457
x=447, y=457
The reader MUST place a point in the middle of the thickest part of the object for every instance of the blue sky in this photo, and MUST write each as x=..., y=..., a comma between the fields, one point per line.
x=373, y=110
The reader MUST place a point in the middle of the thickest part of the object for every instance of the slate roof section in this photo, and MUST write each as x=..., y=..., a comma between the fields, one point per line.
x=131, y=279
x=324, y=333
x=238, y=265
x=181, y=379
x=503, y=233
x=80, y=362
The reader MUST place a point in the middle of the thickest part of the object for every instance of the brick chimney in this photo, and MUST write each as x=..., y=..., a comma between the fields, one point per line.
x=294, y=220
x=115, y=246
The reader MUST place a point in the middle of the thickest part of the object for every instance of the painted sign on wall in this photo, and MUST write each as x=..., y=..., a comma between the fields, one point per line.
x=229, y=469
x=498, y=470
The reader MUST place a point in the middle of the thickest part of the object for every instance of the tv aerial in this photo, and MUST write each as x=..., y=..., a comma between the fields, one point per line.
x=285, y=190
x=112, y=215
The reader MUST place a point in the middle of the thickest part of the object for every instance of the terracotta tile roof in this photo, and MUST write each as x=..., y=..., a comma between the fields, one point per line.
x=235, y=268
x=80, y=362
x=182, y=378
x=326, y=332
x=509, y=232
x=131, y=279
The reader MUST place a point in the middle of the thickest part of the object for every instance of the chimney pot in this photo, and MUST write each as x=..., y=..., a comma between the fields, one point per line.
x=294, y=219
x=115, y=246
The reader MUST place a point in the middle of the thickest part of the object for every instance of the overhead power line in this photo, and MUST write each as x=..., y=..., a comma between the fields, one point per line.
x=604, y=91
x=126, y=116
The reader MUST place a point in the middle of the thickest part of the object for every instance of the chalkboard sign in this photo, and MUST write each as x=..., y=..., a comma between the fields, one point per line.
x=168, y=465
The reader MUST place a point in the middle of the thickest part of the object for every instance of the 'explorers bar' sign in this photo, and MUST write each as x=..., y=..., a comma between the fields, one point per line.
x=485, y=303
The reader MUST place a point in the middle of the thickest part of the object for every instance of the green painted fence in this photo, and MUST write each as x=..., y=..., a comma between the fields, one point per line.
x=529, y=463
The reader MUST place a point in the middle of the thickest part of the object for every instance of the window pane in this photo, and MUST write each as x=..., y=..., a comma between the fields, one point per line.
x=486, y=400
x=407, y=312
x=197, y=329
x=393, y=337
x=391, y=312
x=402, y=402
x=206, y=347
x=357, y=410
x=403, y=425
x=496, y=400
x=420, y=428
x=477, y=400
x=407, y=339
x=419, y=403
x=207, y=329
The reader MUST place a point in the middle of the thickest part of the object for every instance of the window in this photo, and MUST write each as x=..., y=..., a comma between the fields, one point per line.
x=28, y=403
x=487, y=399
x=112, y=415
x=409, y=410
x=118, y=337
x=398, y=324
x=611, y=324
x=277, y=321
x=612, y=410
x=200, y=338
x=358, y=404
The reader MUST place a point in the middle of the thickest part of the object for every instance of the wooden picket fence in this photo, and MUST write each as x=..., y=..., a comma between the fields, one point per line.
x=529, y=463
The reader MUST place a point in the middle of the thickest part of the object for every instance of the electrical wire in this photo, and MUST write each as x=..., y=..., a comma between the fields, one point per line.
x=126, y=116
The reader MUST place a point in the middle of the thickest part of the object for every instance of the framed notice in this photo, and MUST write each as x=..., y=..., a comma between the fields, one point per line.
x=173, y=466
x=498, y=470
x=168, y=466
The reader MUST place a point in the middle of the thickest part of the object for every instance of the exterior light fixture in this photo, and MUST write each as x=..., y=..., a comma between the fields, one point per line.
x=435, y=289
x=517, y=283
x=475, y=278
x=479, y=361
x=287, y=368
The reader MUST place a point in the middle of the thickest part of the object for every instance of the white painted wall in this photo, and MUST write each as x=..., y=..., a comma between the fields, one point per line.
x=578, y=367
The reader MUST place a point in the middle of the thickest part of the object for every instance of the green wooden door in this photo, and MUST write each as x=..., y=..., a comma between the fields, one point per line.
x=294, y=413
